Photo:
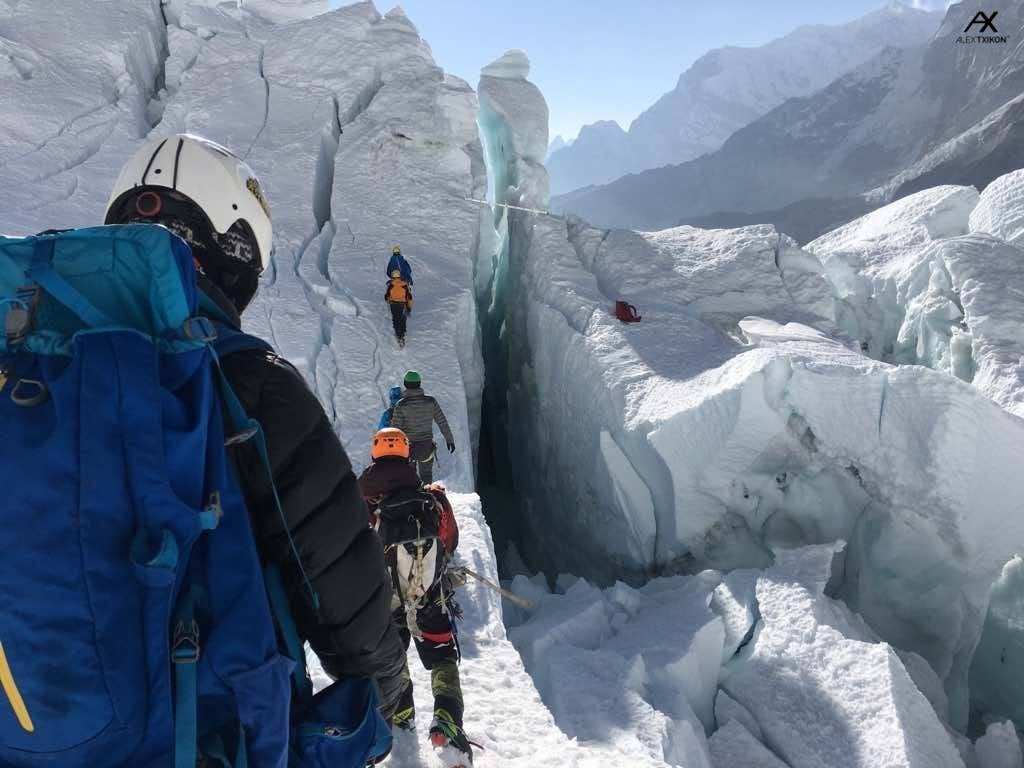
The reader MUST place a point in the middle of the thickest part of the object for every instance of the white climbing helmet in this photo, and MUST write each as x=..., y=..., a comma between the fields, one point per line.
x=212, y=177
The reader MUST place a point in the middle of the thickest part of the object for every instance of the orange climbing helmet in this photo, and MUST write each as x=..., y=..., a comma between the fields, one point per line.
x=389, y=442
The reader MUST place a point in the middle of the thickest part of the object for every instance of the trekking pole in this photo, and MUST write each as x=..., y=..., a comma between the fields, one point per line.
x=514, y=599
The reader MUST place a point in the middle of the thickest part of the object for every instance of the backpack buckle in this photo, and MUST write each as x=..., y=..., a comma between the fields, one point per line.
x=242, y=437
x=199, y=329
x=186, y=643
x=18, y=320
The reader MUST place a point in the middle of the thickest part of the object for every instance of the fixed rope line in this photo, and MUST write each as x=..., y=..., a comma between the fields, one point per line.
x=512, y=598
x=513, y=207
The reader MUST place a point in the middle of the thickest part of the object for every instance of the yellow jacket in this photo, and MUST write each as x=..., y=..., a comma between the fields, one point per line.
x=398, y=292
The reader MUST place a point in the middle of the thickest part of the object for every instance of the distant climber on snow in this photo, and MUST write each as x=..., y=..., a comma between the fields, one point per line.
x=394, y=395
x=415, y=415
x=398, y=297
x=399, y=262
x=419, y=533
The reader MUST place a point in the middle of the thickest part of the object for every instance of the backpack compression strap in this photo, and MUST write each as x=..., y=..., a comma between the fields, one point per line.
x=245, y=429
x=289, y=632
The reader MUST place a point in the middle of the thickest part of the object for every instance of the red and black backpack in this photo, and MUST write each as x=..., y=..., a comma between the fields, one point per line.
x=419, y=533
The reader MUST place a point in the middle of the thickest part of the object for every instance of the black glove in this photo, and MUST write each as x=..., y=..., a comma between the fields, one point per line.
x=408, y=311
x=451, y=447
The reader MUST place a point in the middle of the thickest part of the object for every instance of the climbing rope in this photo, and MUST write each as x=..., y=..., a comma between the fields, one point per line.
x=513, y=207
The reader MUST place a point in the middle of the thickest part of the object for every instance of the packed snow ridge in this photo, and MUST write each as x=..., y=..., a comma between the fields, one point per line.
x=802, y=461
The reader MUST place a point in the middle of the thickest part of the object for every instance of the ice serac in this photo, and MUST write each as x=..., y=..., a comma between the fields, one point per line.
x=585, y=373
x=511, y=103
x=513, y=124
x=914, y=288
x=822, y=689
x=76, y=85
x=878, y=267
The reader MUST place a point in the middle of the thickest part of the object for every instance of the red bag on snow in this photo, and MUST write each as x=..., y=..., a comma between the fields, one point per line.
x=626, y=312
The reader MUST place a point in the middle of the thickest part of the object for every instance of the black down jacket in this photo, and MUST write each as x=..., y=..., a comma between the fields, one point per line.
x=352, y=633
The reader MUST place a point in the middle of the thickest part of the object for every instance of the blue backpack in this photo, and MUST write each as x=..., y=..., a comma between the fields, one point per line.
x=135, y=624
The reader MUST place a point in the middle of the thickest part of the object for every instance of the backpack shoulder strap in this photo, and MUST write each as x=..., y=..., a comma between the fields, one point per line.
x=230, y=340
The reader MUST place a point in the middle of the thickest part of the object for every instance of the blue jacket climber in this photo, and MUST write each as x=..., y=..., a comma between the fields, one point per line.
x=398, y=262
x=385, y=418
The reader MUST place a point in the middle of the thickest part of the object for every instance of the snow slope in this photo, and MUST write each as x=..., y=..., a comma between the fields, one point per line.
x=729, y=87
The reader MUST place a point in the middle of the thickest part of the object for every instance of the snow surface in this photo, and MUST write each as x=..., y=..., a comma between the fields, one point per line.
x=733, y=745
x=1000, y=210
x=823, y=691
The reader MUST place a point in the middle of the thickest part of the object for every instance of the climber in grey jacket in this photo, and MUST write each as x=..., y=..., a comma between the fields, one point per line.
x=415, y=415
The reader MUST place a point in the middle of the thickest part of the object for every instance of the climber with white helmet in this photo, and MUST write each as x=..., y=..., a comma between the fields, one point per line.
x=210, y=198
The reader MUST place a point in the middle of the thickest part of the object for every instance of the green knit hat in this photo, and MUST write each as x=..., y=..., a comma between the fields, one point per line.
x=413, y=379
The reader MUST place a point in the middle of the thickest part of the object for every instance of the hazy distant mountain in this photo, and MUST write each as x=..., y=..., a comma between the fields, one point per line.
x=805, y=159
x=556, y=144
x=728, y=88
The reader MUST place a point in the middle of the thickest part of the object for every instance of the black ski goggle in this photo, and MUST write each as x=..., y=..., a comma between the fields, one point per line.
x=185, y=219
x=230, y=259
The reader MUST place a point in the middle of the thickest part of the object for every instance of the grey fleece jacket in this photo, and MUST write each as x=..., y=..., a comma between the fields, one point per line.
x=415, y=415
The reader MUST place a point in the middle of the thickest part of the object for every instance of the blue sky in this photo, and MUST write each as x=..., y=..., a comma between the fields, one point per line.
x=608, y=59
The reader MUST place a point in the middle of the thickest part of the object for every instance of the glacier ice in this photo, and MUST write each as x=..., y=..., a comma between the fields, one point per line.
x=814, y=686
x=877, y=265
x=734, y=600
x=647, y=657
x=732, y=745
x=822, y=690
x=914, y=287
x=728, y=709
x=997, y=671
x=999, y=747
x=75, y=105
x=1000, y=209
